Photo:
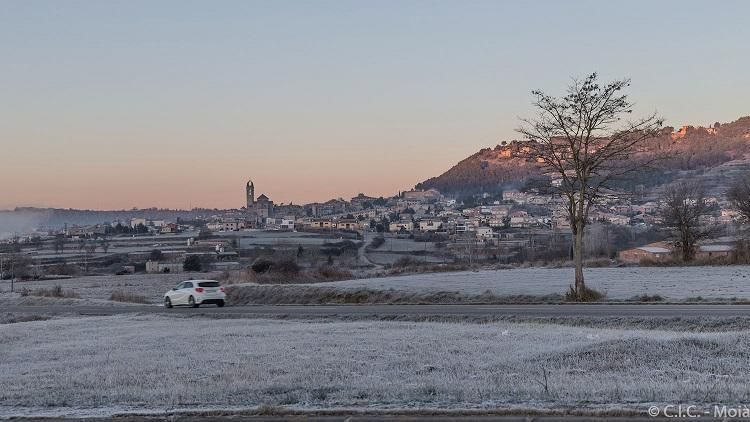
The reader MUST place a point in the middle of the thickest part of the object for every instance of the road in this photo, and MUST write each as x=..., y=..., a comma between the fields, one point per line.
x=544, y=310
x=370, y=418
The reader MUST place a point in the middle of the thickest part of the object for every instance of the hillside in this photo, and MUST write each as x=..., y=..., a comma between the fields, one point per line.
x=690, y=149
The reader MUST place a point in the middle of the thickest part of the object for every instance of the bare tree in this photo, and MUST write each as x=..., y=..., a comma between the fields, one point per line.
x=17, y=265
x=739, y=196
x=89, y=249
x=59, y=243
x=105, y=244
x=684, y=204
x=585, y=140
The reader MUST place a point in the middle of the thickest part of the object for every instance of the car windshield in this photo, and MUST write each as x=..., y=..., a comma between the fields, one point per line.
x=208, y=284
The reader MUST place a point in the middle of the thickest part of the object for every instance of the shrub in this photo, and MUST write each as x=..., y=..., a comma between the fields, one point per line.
x=589, y=295
x=407, y=261
x=63, y=269
x=430, y=237
x=261, y=265
x=285, y=266
x=123, y=296
x=192, y=263
x=56, y=291
x=155, y=255
x=377, y=242
x=647, y=298
x=334, y=274
x=597, y=263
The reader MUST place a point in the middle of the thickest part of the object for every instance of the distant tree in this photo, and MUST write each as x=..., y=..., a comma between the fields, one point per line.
x=192, y=263
x=585, y=140
x=120, y=229
x=105, y=244
x=380, y=202
x=155, y=255
x=59, y=243
x=377, y=242
x=35, y=242
x=739, y=196
x=89, y=249
x=16, y=266
x=379, y=227
x=684, y=204
x=141, y=228
x=14, y=244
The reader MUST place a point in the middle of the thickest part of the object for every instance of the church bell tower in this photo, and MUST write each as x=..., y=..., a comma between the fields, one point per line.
x=250, y=194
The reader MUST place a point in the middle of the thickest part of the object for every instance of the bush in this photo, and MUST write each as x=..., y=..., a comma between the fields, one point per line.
x=63, y=269
x=192, y=263
x=123, y=296
x=589, y=295
x=597, y=263
x=155, y=255
x=285, y=266
x=407, y=261
x=377, y=242
x=334, y=274
x=647, y=298
x=56, y=291
x=261, y=265
x=430, y=237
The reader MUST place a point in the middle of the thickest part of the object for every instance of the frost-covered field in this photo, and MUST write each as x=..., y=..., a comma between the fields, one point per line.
x=108, y=364
x=724, y=282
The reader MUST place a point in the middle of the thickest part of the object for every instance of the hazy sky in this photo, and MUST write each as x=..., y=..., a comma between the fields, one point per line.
x=115, y=104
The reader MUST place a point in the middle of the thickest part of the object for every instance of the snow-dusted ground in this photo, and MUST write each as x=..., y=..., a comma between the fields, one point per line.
x=281, y=238
x=102, y=365
x=618, y=283
x=383, y=258
x=393, y=244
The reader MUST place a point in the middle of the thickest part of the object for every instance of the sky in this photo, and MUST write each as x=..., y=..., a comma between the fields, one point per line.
x=175, y=104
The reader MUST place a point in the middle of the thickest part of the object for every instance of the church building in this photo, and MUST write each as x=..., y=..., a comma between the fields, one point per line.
x=258, y=209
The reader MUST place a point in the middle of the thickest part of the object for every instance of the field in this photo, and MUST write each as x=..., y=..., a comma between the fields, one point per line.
x=675, y=283
x=105, y=365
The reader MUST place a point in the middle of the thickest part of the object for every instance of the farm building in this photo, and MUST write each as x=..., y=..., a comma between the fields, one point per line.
x=657, y=252
x=714, y=251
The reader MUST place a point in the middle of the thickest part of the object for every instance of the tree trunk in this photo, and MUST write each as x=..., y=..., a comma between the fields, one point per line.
x=686, y=246
x=580, y=287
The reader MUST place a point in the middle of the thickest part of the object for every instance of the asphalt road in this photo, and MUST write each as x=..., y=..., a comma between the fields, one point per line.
x=372, y=418
x=543, y=310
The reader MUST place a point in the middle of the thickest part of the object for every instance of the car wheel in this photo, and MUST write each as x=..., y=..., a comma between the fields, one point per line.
x=167, y=303
x=192, y=303
x=220, y=304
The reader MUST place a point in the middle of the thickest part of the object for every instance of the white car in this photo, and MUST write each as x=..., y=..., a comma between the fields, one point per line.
x=195, y=293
